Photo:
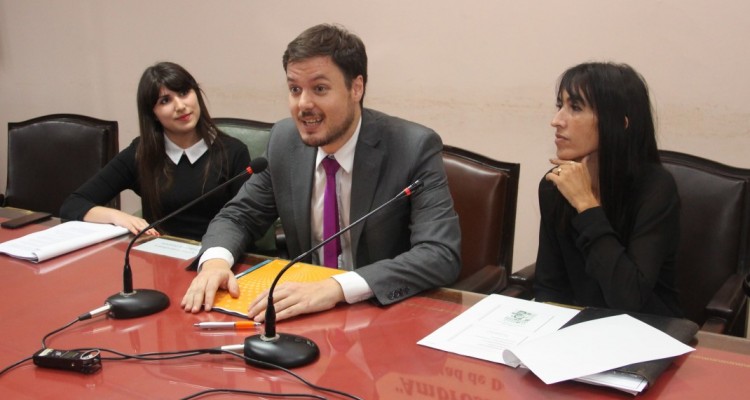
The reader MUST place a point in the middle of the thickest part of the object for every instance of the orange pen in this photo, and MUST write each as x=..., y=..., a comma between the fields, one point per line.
x=227, y=325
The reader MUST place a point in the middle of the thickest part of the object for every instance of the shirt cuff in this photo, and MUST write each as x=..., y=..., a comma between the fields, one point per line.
x=216, y=252
x=354, y=286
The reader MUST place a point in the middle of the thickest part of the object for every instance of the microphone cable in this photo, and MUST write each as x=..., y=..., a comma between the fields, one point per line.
x=15, y=364
x=154, y=356
x=295, y=375
x=95, y=312
x=171, y=355
x=253, y=393
x=58, y=330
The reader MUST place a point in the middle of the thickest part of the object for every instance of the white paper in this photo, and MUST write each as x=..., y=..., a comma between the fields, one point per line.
x=59, y=239
x=170, y=248
x=594, y=346
x=629, y=383
x=496, y=323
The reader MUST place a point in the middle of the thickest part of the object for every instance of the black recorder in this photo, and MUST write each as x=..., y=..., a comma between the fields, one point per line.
x=25, y=219
x=85, y=361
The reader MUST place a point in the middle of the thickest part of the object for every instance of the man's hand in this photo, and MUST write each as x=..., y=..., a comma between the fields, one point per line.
x=295, y=298
x=215, y=274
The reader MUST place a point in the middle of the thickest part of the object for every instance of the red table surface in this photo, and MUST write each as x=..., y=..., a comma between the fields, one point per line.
x=366, y=350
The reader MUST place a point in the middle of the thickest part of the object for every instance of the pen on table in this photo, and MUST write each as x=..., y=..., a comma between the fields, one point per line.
x=227, y=325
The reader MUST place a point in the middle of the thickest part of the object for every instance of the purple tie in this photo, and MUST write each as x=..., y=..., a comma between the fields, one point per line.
x=332, y=249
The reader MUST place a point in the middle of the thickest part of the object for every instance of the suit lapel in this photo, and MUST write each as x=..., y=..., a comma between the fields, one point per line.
x=301, y=183
x=368, y=159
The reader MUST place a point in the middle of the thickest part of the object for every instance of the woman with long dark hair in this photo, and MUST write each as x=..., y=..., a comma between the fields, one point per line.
x=179, y=155
x=609, y=210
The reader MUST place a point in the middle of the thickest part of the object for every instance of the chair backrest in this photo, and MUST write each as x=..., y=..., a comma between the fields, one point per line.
x=485, y=195
x=254, y=134
x=51, y=156
x=714, y=223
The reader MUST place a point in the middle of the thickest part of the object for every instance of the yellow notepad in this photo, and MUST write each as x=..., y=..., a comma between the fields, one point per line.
x=259, y=277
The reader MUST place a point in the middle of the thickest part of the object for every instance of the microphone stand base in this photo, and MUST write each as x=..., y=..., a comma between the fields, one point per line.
x=139, y=303
x=286, y=350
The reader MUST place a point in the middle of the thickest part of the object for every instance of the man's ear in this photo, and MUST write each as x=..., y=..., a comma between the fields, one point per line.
x=358, y=88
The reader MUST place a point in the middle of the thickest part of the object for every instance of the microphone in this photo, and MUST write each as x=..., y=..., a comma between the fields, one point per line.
x=288, y=350
x=138, y=303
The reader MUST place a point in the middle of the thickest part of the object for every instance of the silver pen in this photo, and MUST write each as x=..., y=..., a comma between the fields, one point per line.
x=227, y=325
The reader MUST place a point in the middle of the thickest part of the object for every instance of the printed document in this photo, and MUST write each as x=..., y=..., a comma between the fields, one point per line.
x=496, y=323
x=517, y=332
x=594, y=346
x=170, y=248
x=60, y=239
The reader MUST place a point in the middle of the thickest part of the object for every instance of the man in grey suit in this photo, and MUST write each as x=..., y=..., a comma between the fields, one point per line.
x=408, y=247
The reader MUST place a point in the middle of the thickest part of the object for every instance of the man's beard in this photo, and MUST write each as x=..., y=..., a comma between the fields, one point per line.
x=334, y=133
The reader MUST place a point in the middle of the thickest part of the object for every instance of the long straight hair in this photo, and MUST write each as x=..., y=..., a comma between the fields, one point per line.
x=627, y=139
x=154, y=172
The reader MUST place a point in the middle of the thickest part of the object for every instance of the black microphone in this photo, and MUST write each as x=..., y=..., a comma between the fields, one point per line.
x=138, y=303
x=288, y=350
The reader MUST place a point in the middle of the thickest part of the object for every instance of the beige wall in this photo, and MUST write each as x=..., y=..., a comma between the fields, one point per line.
x=481, y=73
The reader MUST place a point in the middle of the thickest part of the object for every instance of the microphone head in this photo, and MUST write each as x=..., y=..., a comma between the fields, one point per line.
x=257, y=165
x=412, y=188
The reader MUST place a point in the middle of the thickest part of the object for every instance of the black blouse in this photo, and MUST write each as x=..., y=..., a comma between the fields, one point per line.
x=584, y=262
x=188, y=182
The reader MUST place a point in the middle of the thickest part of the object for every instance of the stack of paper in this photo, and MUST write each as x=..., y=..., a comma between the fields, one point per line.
x=59, y=239
x=522, y=333
x=593, y=347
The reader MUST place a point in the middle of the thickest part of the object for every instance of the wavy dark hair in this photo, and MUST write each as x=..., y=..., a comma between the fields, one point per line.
x=627, y=139
x=154, y=172
x=345, y=49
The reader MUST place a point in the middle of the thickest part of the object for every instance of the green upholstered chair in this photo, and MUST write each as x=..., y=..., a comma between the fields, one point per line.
x=255, y=135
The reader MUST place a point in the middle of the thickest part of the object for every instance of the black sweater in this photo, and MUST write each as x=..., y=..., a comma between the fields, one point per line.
x=121, y=173
x=584, y=262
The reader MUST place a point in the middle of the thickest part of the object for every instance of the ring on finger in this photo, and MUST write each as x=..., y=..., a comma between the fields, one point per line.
x=557, y=171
